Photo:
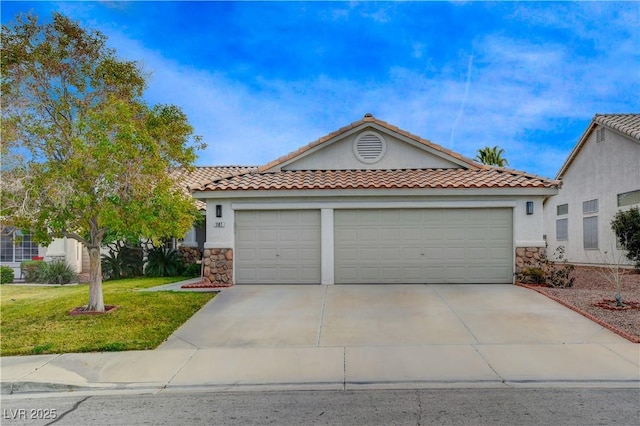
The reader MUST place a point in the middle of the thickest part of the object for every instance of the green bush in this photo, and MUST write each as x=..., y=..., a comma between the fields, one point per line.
x=123, y=261
x=163, y=262
x=30, y=270
x=192, y=270
x=57, y=272
x=626, y=225
x=6, y=275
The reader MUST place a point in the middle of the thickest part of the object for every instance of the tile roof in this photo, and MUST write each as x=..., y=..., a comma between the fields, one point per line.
x=378, y=179
x=368, y=119
x=201, y=175
x=629, y=124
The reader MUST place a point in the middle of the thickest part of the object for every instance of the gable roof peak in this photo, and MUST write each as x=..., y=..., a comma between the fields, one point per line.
x=369, y=119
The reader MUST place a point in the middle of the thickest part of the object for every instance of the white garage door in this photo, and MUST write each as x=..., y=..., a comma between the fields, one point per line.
x=423, y=246
x=278, y=247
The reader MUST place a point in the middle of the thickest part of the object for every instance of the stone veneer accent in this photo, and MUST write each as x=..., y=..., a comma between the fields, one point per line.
x=189, y=255
x=529, y=257
x=218, y=266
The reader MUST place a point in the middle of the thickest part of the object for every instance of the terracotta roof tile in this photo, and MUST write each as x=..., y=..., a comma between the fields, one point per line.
x=378, y=179
x=629, y=124
x=196, y=178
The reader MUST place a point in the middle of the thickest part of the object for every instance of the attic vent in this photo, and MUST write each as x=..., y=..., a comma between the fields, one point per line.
x=600, y=135
x=369, y=147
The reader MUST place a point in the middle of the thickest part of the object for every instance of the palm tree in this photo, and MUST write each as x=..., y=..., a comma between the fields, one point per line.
x=492, y=156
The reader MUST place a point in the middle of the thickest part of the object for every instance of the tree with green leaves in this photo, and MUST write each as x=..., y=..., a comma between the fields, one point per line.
x=626, y=225
x=492, y=156
x=83, y=153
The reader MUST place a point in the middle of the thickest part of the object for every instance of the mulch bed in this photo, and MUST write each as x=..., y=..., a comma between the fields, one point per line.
x=82, y=310
x=592, y=295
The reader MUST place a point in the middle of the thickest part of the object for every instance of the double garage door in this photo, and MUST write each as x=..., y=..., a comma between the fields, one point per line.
x=377, y=246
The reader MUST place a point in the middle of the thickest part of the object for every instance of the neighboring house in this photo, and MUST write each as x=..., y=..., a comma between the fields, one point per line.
x=600, y=177
x=16, y=246
x=371, y=203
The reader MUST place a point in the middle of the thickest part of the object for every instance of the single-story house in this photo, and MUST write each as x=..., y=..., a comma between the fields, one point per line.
x=600, y=177
x=371, y=203
x=17, y=246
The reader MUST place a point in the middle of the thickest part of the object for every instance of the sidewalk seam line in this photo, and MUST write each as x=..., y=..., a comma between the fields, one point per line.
x=502, y=379
x=180, y=368
x=322, y=313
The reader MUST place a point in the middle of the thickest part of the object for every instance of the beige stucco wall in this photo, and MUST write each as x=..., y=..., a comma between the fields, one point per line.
x=66, y=249
x=600, y=170
x=399, y=155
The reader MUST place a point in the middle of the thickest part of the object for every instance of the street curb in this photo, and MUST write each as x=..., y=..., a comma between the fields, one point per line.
x=22, y=389
x=606, y=325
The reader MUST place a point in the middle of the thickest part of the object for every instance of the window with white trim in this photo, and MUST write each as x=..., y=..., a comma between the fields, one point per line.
x=562, y=209
x=590, y=232
x=562, y=229
x=16, y=246
x=629, y=198
x=590, y=206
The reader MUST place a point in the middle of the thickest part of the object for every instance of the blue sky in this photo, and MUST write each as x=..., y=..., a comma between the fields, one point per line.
x=260, y=79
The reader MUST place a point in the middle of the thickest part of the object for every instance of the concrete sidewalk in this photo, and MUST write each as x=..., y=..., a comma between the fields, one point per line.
x=337, y=368
x=354, y=337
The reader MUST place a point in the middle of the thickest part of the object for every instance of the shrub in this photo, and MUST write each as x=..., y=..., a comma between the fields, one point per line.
x=30, y=270
x=558, y=273
x=123, y=261
x=532, y=276
x=626, y=225
x=6, y=275
x=57, y=272
x=163, y=262
x=192, y=270
x=554, y=273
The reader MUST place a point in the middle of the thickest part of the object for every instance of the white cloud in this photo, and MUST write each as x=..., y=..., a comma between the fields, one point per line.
x=512, y=88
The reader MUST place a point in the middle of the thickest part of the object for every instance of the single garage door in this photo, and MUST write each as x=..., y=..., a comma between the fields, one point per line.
x=423, y=246
x=277, y=247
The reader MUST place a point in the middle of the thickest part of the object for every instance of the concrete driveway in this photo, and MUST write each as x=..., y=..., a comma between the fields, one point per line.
x=376, y=336
x=356, y=337
x=384, y=315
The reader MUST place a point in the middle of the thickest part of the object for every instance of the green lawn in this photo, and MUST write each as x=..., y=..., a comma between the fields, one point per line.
x=36, y=320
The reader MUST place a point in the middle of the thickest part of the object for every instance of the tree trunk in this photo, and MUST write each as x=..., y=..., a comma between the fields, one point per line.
x=96, y=300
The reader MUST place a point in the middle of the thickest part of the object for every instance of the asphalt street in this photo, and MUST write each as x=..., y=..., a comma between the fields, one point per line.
x=505, y=406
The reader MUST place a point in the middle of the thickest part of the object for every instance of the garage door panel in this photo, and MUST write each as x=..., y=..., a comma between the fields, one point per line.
x=423, y=245
x=268, y=235
x=371, y=254
x=277, y=247
x=248, y=254
x=368, y=234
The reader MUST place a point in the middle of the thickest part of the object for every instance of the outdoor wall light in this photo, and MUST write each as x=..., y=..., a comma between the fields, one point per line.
x=529, y=207
x=218, y=210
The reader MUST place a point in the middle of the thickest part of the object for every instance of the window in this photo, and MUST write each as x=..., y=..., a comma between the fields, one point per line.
x=590, y=232
x=562, y=229
x=590, y=206
x=629, y=198
x=16, y=246
x=562, y=209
